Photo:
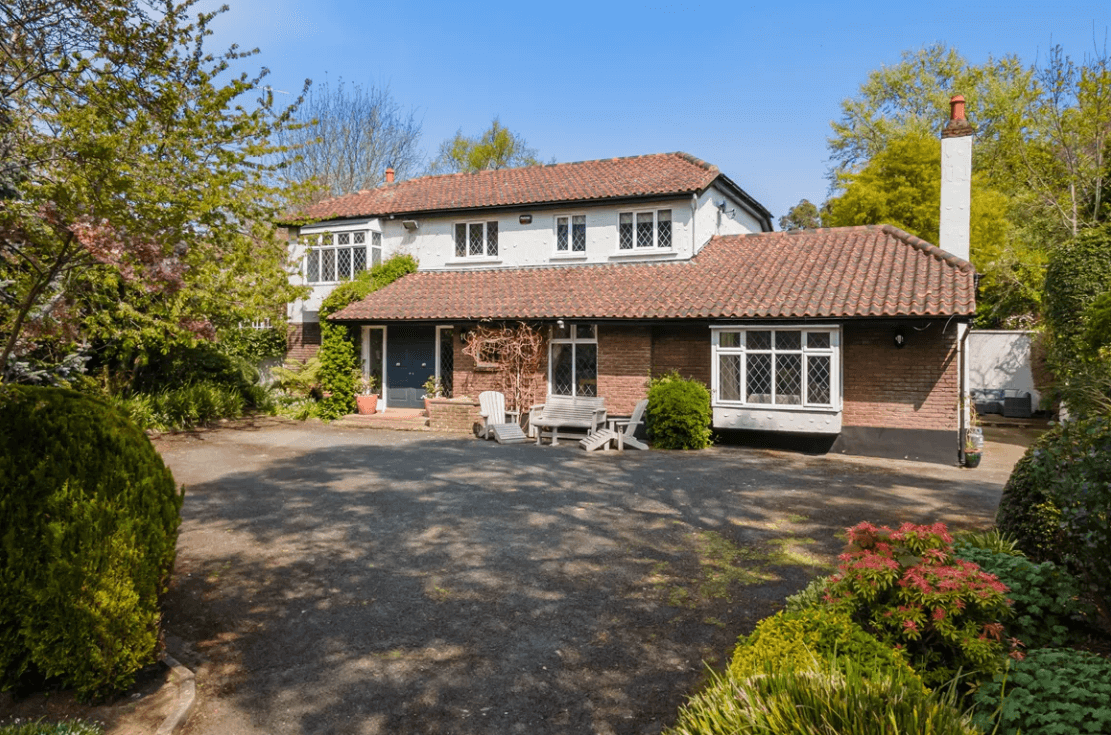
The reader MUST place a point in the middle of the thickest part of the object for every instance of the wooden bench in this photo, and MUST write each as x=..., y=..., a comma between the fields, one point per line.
x=566, y=412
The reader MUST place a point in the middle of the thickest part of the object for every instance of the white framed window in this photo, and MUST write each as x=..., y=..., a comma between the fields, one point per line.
x=570, y=233
x=781, y=367
x=476, y=239
x=340, y=256
x=641, y=230
x=573, y=360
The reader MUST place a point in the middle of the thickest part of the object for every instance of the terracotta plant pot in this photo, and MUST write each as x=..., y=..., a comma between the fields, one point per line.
x=367, y=404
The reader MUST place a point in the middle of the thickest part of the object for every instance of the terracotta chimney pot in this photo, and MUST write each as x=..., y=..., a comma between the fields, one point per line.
x=389, y=175
x=956, y=107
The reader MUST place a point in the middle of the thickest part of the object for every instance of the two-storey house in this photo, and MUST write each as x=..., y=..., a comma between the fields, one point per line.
x=638, y=266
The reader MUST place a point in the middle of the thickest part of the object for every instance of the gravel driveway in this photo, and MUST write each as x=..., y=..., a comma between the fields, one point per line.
x=337, y=580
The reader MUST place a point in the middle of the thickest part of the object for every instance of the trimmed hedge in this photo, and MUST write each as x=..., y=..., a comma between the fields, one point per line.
x=1057, y=503
x=90, y=517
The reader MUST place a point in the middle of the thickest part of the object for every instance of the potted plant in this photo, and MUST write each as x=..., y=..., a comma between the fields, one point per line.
x=366, y=399
x=433, y=388
x=974, y=439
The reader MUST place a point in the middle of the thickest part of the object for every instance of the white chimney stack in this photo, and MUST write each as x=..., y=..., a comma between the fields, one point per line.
x=956, y=181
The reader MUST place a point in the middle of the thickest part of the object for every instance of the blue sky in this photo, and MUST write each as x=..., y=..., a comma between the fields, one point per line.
x=749, y=87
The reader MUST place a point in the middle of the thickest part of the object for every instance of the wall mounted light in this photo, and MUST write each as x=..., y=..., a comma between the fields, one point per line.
x=900, y=337
x=410, y=224
x=525, y=219
x=559, y=323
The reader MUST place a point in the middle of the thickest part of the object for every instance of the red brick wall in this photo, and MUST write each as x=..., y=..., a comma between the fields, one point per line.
x=685, y=348
x=624, y=356
x=454, y=414
x=471, y=382
x=915, y=387
x=303, y=341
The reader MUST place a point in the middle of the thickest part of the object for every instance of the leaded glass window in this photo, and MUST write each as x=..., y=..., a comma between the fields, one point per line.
x=578, y=233
x=573, y=361
x=780, y=367
x=338, y=256
x=644, y=230
x=476, y=239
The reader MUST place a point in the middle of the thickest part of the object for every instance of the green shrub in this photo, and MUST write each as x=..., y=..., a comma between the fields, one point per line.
x=678, y=413
x=1051, y=691
x=192, y=405
x=907, y=589
x=1057, y=503
x=1044, y=597
x=991, y=539
x=814, y=639
x=90, y=517
x=818, y=703
x=338, y=361
x=810, y=596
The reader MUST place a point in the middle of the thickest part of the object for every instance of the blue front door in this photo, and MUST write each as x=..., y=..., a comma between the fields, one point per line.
x=410, y=359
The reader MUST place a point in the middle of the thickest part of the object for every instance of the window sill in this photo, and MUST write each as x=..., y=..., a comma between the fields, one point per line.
x=651, y=252
x=559, y=255
x=487, y=367
x=775, y=407
x=474, y=261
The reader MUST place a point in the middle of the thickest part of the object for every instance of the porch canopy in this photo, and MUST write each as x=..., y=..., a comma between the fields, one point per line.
x=848, y=272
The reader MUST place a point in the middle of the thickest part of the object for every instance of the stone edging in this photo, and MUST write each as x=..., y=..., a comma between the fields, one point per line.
x=186, y=695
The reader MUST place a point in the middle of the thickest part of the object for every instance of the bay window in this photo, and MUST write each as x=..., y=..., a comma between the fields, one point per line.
x=777, y=367
x=340, y=256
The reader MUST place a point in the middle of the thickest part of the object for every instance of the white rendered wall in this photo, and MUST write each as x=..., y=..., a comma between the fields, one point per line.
x=956, y=195
x=711, y=221
x=693, y=222
x=1000, y=360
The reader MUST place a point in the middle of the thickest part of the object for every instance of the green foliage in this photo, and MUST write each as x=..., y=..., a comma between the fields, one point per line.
x=1057, y=503
x=1050, y=691
x=1097, y=335
x=253, y=345
x=338, y=363
x=40, y=727
x=789, y=702
x=139, y=214
x=197, y=404
x=90, y=518
x=817, y=639
x=906, y=588
x=992, y=540
x=1078, y=274
x=901, y=186
x=678, y=413
x=802, y=216
x=812, y=595
x=497, y=147
x=301, y=379
x=1044, y=597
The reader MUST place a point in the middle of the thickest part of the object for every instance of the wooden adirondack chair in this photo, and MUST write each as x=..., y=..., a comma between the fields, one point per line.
x=496, y=425
x=619, y=430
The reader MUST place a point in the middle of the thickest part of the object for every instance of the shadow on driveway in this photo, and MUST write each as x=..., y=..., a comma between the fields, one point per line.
x=353, y=581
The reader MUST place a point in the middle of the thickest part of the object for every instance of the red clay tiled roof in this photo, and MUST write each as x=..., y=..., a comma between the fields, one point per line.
x=657, y=174
x=830, y=273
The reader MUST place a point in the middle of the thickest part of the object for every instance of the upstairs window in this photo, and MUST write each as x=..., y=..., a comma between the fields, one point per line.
x=476, y=239
x=340, y=256
x=641, y=230
x=571, y=234
x=778, y=367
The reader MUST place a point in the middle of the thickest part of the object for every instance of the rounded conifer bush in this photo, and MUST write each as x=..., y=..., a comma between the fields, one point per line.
x=88, y=526
x=678, y=413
